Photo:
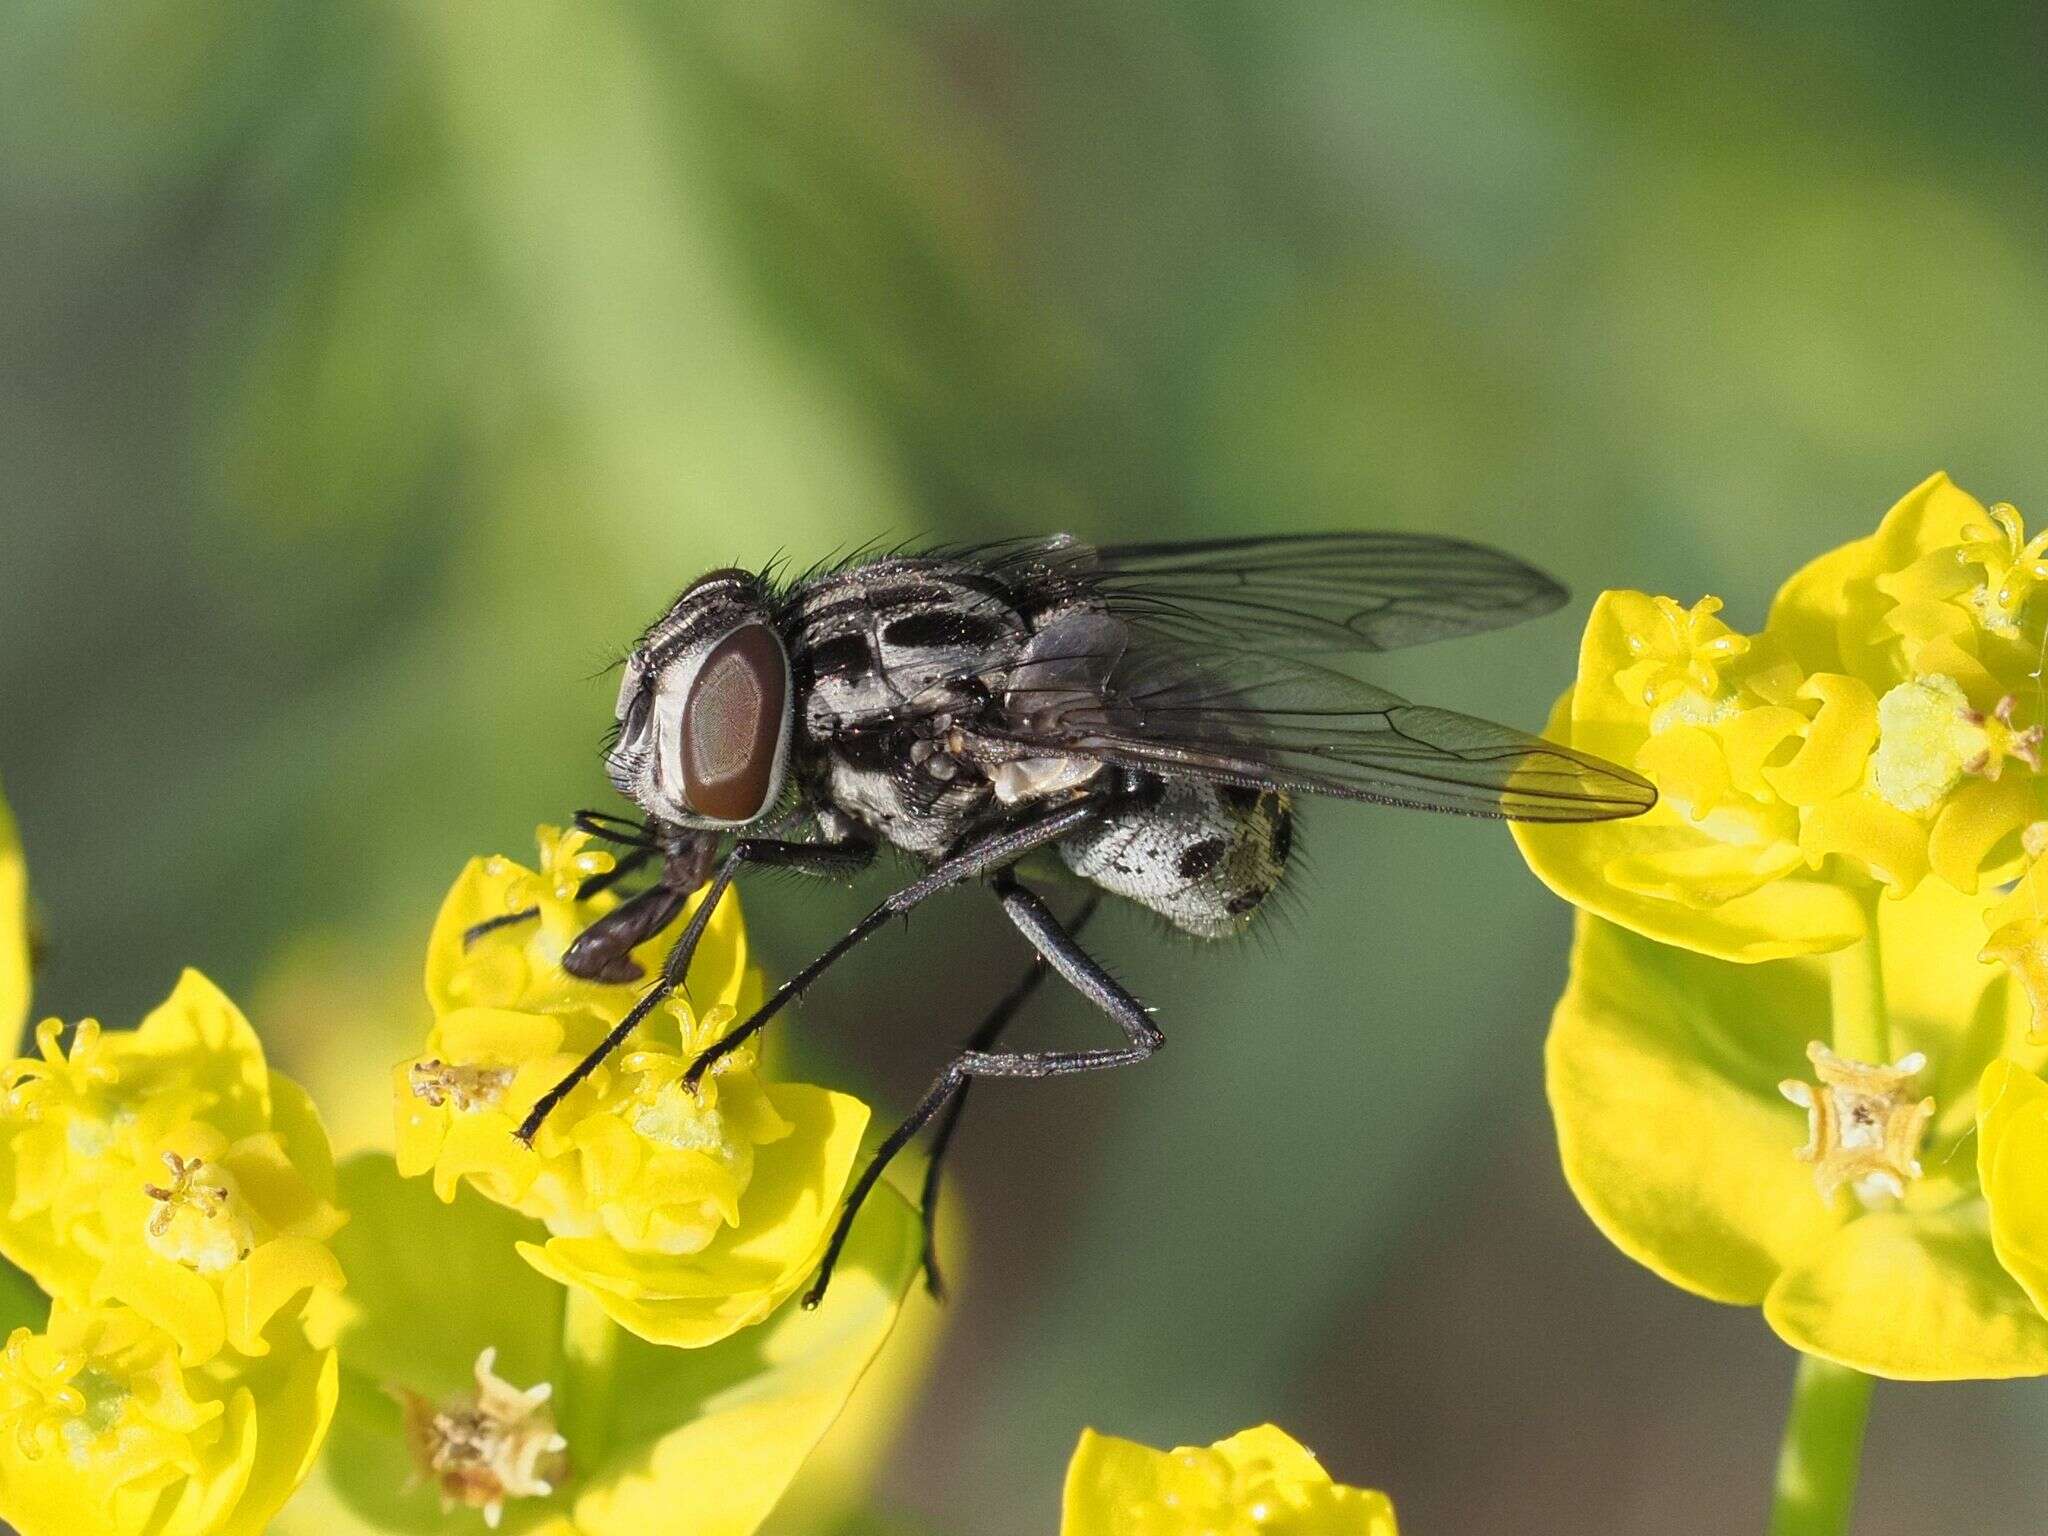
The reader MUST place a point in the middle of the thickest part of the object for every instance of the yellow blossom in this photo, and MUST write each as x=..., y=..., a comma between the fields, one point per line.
x=14, y=948
x=686, y=1214
x=1260, y=1482
x=1853, y=1215
x=1884, y=726
x=168, y=1168
x=104, y=1430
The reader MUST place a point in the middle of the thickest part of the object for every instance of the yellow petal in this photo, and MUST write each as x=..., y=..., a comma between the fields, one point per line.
x=263, y=1284
x=198, y=1030
x=1826, y=615
x=172, y=1297
x=14, y=956
x=2012, y=1165
x=1883, y=839
x=1912, y=1296
x=1659, y=876
x=302, y=1389
x=1976, y=821
x=1949, y=1005
x=664, y=1442
x=1830, y=760
x=1260, y=1478
x=1662, y=1069
x=744, y=1272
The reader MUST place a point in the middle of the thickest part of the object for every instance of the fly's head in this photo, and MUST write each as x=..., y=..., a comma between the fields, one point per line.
x=705, y=712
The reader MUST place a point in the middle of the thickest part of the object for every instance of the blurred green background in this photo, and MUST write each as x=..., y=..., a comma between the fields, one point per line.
x=369, y=374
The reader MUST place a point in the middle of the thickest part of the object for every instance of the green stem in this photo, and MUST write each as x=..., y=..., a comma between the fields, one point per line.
x=1862, y=1030
x=1821, y=1456
x=590, y=1355
x=1822, y=1450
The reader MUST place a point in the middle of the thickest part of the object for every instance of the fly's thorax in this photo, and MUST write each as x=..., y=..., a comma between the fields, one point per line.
x=899, y=638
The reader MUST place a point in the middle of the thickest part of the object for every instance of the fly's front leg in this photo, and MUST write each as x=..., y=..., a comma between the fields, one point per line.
x=813, y=858
x=1078, y=969
x=989, y=851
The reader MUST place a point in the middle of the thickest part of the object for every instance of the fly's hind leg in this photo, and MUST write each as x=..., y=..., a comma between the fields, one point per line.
x=1081, y=971
x=984, y=1036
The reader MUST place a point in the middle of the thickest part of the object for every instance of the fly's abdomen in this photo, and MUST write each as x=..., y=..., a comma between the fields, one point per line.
x=1203, y=856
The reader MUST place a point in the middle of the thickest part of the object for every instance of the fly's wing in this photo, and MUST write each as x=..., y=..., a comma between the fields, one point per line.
x=1320, y=591
x=1094, y=688
x=1295, y=593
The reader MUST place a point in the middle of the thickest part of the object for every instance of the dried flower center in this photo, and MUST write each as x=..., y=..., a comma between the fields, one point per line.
x=196, y=1223
x=487, y=1446
x=1863, y=1126
x=470, y=1086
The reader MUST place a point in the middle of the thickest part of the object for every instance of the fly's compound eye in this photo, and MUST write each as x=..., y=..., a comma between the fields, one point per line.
x=733, y=726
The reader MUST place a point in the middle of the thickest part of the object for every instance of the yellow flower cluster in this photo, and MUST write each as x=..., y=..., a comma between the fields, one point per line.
x=175, y=1198
x=201, y=1371
x=1786, y=1021
x=1261, y=1482
x=1884, y=726
x=685, y=1215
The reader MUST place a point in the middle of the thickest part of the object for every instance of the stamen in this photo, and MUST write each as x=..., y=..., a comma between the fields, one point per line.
x=469, y=1085
x=207, y=1201
x=2001, y=740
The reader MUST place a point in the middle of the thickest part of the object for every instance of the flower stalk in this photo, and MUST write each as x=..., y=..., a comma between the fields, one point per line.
x=590, y=1357
x=1820, y=1458
x=1822, y=1452
x=1862, y=1029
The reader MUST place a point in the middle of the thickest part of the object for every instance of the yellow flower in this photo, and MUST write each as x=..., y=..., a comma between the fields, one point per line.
x=1884, y=726
x=1260, y=1482
x=468, y=1381
x=1853, y=1214
x=104, y=1430
x=170, y=1169
x=14, y=954
x=519, y=965
x=687, y=1215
